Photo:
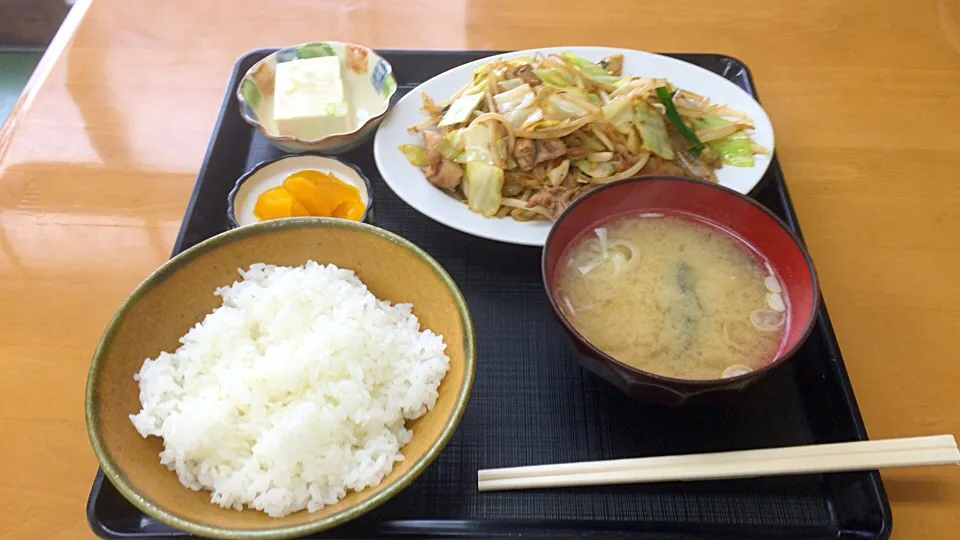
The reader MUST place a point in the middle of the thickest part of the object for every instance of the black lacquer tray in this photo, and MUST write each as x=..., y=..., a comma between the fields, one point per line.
x=531, y=403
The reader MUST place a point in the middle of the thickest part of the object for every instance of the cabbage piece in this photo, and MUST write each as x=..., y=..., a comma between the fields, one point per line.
x=590, y=70
x=461, y=109
x=450, y=146
x=619, y=113
x=574, y=92
x=530, y=122
x=557, y=108
x=517, y=105
x=519, y=97
x=510, y=84
x=555, y=77
x=652, y=130
x=596, y=170
x=518, y=118
x=482, y=185
x=734, y=149
x=477, y=144
x=453, y=142
x=586, y=66
x=416, y=155
x=559, y=173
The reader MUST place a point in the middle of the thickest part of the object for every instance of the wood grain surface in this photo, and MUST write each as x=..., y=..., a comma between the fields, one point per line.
x=98, y=159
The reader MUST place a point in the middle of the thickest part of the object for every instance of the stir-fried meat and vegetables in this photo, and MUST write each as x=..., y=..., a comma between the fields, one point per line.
x=527, y=136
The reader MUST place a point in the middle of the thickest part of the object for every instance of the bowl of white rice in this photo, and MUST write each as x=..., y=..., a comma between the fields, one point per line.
x=280, y=379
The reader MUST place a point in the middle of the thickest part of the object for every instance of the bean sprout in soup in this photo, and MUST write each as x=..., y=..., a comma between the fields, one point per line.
x=673, y=297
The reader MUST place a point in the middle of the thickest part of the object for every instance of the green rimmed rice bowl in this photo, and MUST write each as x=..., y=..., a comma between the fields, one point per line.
x=180, y=293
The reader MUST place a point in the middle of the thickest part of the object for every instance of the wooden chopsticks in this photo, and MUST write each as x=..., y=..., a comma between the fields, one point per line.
x=819, y=458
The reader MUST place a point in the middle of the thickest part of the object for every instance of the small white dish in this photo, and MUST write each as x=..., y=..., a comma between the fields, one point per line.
x=410, y=185
x=270, y=174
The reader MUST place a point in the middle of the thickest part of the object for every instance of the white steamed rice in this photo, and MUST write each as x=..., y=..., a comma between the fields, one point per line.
x=293, y=392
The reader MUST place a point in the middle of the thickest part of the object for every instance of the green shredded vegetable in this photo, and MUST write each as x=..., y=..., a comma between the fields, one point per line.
x=734, y=149
x=666, y=97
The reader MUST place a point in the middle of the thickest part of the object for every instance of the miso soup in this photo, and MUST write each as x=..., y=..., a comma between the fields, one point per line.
x=673, y=296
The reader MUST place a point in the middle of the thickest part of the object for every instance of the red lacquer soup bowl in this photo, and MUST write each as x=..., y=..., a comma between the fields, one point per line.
x=712, y=205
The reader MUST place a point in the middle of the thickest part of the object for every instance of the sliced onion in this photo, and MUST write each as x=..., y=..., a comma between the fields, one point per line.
x=766, y=320
x=601, y=233
x=736, y=370
x=730, y=342
x=651, y=215
x=586, y=268
x=569, y=305
x=632, y=257
x=604, y=140
x=775, y=301
x=632, y=171
x=772, y=284
x=618, y=259
x=600, y=157
x=692, y=165
x=591, y=286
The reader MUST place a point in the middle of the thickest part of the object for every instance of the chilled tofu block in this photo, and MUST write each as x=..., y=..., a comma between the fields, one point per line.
x=309, y=102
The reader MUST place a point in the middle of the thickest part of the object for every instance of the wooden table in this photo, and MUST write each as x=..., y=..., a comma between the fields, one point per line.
x=98, y=160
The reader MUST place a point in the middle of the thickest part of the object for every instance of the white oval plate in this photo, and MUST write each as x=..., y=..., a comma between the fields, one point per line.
x=410, y=185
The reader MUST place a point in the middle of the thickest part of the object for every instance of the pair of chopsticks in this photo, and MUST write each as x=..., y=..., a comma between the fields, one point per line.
x=818, y=458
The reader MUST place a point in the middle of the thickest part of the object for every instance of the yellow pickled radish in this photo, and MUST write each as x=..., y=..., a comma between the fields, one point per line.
x=310, y=196
x=316, y=177
x=297, y=209
x=344, y=197
x=334, y=187
x=273, y=203
x=350, y=210
x=311, y=193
